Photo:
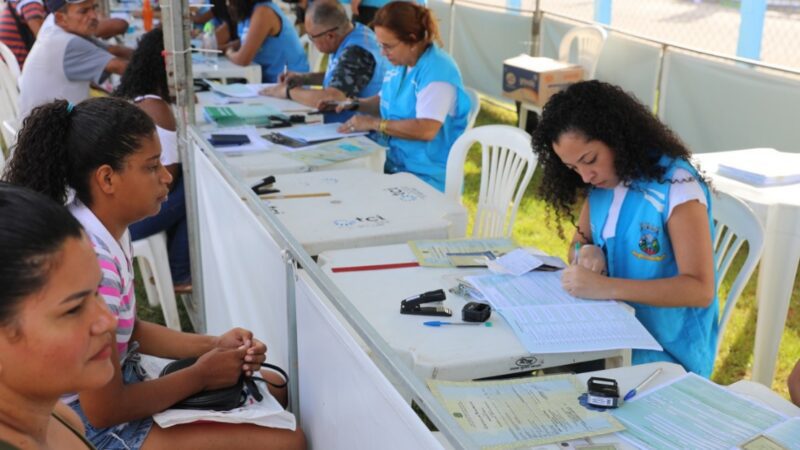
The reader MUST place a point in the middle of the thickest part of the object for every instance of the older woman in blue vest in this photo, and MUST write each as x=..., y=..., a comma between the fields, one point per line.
x=422, y=107
x=644, y=229
x=355, y=64
x=268, y=38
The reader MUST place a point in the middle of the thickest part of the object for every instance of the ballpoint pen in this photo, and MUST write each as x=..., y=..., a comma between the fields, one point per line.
x=439, y=323
x=575, y=253
x=632, y=393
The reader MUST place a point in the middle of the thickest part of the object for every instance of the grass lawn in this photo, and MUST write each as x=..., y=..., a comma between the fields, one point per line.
x=531, y=228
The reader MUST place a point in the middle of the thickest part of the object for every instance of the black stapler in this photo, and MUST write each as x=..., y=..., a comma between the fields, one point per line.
x=413, y=305
x=264, y=186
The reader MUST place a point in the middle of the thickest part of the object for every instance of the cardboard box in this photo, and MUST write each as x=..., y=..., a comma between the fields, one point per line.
x=535, y=79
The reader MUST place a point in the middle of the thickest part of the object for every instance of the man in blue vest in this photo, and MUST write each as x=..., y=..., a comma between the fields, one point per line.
x=355, y=64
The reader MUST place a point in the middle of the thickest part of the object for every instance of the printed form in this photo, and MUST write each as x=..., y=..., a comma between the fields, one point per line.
x=523, y=412
x=692, y=412
x=546, y=319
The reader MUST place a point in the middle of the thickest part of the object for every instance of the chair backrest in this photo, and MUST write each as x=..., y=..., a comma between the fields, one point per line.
x=474, y=108
x=507, y=164
x=314, y=56
x=735, y=224
x=9, y=92
x=9, y=132
x=589, y=40
x=10, y=60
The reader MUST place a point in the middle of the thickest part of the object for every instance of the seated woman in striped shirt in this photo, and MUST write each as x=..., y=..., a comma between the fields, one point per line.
x=108, y=152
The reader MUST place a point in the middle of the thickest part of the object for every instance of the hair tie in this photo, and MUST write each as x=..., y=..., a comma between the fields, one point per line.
x=70, y=107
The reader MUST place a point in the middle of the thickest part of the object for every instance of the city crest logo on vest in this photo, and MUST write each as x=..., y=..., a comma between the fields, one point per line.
x=648, y=243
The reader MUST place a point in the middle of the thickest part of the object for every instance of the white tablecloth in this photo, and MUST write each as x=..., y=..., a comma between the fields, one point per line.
x=450, y=352
x=364, y=209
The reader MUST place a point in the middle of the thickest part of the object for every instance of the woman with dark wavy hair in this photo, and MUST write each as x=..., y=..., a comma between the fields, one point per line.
x=145, y=84
x=644, y=229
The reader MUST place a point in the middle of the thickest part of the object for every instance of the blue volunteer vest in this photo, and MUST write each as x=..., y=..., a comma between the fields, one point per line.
x=365, y=38
x=641, y=249
x=277, y=52
x=427, y=160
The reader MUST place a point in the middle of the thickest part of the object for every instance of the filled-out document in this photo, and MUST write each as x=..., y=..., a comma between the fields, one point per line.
x=522, y=412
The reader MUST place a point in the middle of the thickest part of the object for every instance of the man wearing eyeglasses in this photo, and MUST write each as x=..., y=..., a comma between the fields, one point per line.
x=355, y=65
x=66, y=57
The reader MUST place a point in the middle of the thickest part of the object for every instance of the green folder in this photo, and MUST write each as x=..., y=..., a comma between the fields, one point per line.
x=240, y=114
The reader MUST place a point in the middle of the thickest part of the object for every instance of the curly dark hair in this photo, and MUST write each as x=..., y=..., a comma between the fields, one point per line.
x=603, y=112
x=61, y=145
x=146, y=73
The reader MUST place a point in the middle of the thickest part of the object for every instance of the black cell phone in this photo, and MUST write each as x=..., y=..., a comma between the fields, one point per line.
x=223, y=140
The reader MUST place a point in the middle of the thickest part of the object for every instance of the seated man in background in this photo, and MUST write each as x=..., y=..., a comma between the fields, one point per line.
x=66, y=57
x=355, y=64
x=794, y=384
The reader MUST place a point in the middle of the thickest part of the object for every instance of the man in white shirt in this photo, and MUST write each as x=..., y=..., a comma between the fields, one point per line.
x=66, y=57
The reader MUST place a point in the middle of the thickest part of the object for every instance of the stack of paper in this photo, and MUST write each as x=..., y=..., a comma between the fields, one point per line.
x=238, y=90
x=546, y=319
x=243, y=114
x=318, y=132
x=693, y=412
x=453, y=252
x=336, y=151
x=762, y=167
x=523, y=412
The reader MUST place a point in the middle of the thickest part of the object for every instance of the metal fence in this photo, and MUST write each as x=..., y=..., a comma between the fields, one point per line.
x=708, y=25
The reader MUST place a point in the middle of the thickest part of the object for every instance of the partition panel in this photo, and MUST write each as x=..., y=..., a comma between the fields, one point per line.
x=441, y=9
x=716, y=105
x=485, y=37
x=345, y=401
x=244, y=275
x=631, y=64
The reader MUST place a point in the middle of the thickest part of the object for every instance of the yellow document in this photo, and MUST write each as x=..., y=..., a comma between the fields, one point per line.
x=522, y=412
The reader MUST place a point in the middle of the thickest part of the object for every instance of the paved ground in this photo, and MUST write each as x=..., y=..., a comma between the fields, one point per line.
x=707, y=25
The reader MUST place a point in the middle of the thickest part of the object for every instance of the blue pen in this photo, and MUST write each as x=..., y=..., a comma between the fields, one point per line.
x=439, y=323
x=632, y=393
x=575, y=253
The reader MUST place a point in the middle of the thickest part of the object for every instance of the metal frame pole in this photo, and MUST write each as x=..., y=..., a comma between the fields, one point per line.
x=176, y=23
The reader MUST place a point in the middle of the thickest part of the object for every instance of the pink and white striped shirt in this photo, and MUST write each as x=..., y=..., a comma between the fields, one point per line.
x=116, y=264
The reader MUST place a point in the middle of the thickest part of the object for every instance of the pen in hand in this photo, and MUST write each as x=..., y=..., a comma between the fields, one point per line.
x=575, y=253
x=632, y=393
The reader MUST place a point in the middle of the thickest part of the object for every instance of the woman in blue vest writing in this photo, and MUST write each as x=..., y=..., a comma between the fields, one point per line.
x=422, y=107
x=644, y=229
x=267, y=38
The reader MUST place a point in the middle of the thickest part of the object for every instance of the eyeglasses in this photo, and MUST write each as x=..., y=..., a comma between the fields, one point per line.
x=319, y=35
x=388, y=47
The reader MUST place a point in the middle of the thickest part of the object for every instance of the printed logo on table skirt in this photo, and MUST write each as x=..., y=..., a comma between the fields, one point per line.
x=362, y=222
x=405, y=193
x=527, y=362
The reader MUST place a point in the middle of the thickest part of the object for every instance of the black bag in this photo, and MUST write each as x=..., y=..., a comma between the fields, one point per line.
x=224, y=399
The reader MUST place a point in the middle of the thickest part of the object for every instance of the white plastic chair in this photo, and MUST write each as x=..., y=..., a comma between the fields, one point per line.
x=9, y=134
x=11, y=61
x=589, y=41
x=474, y=108
x=9, y=94
x=735, y=224
x=154, y=267
x=314, y=56
x=507, y=164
